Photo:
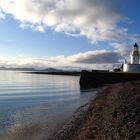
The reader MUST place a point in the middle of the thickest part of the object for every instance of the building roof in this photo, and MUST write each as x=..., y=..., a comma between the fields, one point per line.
x=135, y=45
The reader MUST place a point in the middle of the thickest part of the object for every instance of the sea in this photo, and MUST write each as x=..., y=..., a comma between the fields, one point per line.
x=34, y=106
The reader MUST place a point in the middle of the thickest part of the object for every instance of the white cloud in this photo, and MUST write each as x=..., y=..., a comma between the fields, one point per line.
x=123, y=48
x=2, y=15
x=40, y=28
x=96, y=57
x=94, y=19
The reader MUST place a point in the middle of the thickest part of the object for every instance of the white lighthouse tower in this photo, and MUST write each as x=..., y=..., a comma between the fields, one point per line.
x=134, y=65
x=135, y=56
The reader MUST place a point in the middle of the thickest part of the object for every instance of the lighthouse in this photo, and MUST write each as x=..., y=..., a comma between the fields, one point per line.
x=134, y=65
x=135, y=56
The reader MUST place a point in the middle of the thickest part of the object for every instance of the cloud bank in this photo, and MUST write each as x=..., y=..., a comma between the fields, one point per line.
x=99, y=59
x=97, y=20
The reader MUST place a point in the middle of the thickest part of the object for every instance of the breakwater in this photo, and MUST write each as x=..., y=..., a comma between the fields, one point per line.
x=99, y=78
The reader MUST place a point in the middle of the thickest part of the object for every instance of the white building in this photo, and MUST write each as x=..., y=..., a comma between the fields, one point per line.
x=134, y=65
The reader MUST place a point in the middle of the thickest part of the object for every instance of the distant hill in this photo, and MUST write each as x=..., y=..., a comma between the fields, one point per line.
x=18, y=69
x=51, y=70
x=31, y=69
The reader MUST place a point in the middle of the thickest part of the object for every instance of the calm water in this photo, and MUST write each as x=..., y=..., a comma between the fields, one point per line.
x=33, y=106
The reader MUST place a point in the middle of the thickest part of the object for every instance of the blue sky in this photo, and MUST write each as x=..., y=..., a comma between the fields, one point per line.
x=76, y=33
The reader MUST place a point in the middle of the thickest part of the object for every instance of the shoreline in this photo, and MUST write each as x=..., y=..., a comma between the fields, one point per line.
x=113, y=114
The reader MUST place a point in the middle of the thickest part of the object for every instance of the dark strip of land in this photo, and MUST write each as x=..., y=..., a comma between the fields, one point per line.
x=113, y=115
x=57, y=73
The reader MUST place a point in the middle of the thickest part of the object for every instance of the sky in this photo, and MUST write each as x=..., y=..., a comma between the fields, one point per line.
x=78, y=34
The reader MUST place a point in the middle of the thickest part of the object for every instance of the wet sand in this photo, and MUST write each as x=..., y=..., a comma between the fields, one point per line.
x=113, y=115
